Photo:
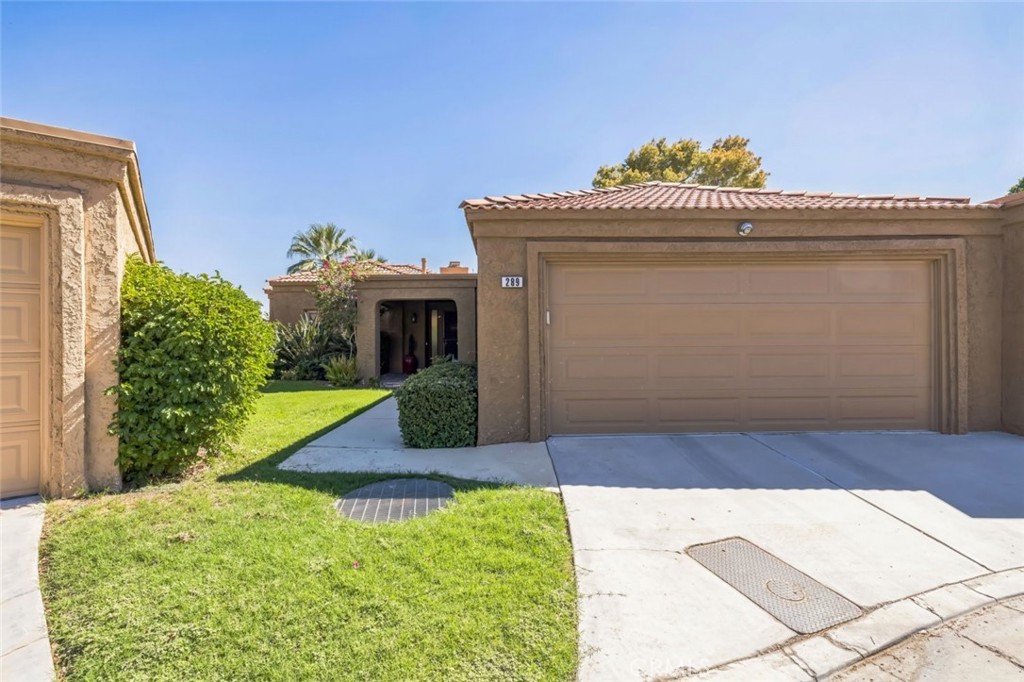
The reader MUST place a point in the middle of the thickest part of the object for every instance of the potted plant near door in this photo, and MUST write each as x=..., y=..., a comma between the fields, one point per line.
x=409, y=363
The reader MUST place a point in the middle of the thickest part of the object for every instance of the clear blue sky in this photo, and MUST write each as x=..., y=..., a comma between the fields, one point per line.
x=254, y=120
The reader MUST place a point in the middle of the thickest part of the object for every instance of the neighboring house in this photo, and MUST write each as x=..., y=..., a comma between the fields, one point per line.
x=430, y=313
x=71, y=211
x=291, y=296
x=665, y=308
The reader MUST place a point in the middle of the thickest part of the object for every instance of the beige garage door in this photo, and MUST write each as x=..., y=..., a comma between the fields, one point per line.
x=670, y=348
x=20, y=358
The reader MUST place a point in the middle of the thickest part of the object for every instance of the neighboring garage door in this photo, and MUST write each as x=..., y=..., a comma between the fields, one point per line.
x=20, y=359
x=670, y=348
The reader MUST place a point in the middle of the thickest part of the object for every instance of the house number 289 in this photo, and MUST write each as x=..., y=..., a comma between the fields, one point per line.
x=511, y=282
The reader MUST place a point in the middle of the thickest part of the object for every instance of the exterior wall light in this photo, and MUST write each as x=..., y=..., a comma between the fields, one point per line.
x=744, y=229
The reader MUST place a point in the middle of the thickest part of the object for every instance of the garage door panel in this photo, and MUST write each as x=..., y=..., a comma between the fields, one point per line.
x=877, y=325
x=19, y=391
x=20, y=359
x=903, y=368
x=582, y=285
x=695, y=366
x=19, y=322
x=760, y=346
x=768, y=411
x=19, y=460
x=890, y=282
x=801, y=282
x=789, y=367
x=707, y=281
x=592, y=324
x=900, y=410
x=686, y=324
x=588, y=409
x=603, y=367
x=704, y=413
x=797, y=323
x=20, y=261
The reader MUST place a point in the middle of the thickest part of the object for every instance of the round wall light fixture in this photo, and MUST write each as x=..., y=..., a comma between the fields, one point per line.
x=744, y=229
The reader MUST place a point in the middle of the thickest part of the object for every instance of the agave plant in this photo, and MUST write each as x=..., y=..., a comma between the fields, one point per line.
x=305, y=346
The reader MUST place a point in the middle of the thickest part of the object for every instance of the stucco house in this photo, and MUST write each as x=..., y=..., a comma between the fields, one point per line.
x=71, y=211
x=430, y=313
x=666, y=307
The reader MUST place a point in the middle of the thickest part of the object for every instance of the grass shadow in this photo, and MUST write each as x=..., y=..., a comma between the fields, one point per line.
x=265, y=470
x=282, y=386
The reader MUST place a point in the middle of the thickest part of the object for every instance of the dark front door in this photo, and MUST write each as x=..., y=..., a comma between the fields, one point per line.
x=442, y=331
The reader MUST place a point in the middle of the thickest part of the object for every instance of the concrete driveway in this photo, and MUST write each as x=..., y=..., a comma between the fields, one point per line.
x=876, y=517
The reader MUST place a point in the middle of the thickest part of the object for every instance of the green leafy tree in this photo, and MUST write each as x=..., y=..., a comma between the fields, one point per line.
x=728, y=162
x=320, y=243
x=1018, y=187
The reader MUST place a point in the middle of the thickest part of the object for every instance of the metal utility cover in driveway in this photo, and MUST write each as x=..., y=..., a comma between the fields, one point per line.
x=396, y=499
x=797, y=600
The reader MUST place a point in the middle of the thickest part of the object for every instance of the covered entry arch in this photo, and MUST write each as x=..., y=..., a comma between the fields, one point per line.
x=409, y=295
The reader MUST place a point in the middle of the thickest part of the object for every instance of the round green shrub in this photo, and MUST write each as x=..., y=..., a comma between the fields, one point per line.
x=194, y=353
x=437, y=406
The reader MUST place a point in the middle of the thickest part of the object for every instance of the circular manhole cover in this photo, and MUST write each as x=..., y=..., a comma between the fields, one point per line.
x=396, y=499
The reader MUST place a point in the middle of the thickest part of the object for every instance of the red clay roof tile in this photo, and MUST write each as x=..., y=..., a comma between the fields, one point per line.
x=674, y=195
x=369, y=268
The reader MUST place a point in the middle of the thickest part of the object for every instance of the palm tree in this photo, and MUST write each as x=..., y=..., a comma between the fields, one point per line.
x=368, y=254
x=320, y=243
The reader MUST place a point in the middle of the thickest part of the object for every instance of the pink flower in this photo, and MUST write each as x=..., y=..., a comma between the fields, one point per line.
x=356, y=564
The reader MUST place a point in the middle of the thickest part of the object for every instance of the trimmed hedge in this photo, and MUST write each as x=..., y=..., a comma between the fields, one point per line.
x=194, y=353
x=437, y=406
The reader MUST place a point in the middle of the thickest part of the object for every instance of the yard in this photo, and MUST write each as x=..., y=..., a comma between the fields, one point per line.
x=244, y=571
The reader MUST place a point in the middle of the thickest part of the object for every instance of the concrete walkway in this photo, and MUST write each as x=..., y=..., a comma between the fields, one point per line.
x=24, y=643
x=879, y=518
x=372, y=442
x=967, y=631
x=987, y=644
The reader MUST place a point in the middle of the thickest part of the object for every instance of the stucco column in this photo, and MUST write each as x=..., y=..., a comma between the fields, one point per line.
x=367, y=336
x=465, y=306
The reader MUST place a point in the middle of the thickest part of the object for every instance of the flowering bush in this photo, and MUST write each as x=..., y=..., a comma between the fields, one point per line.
x=336, y=298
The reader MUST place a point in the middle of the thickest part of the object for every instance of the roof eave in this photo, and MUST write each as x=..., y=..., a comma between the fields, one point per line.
x=76, y=141
x=958, y=212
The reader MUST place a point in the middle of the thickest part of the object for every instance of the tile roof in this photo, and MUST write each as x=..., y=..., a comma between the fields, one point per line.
x=674, y=195
x=369, y=268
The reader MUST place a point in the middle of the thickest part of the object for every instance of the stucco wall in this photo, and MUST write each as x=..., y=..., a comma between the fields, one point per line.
x=985, y=331
x=502, y=336
x=289, y=302
x=511, y=381
x=87, y=190
x=1013, y=324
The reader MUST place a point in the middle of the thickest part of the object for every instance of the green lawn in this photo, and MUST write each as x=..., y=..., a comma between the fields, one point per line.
x=246, y=572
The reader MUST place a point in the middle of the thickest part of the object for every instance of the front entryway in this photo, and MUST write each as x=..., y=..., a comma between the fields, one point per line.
x=21, y=386
x=663, y=347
